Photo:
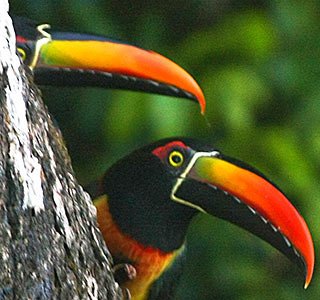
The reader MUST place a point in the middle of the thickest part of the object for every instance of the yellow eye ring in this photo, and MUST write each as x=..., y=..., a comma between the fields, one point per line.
x=22, y=53
x=176, y=159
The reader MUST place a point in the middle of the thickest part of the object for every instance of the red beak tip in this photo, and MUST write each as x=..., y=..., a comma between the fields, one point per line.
x=306, y=285
x=307, y=281
x=202, y=103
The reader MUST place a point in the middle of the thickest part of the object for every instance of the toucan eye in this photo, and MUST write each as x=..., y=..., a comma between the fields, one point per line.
x=22, y=54
x=176, y=159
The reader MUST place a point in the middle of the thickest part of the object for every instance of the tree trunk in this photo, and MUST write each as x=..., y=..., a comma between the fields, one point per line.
x=50, y=247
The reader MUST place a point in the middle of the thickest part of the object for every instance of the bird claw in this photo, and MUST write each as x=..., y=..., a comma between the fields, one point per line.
x=124, y=272
x=126, y=294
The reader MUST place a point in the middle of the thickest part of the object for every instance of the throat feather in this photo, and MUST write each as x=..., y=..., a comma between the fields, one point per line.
x=149, y=262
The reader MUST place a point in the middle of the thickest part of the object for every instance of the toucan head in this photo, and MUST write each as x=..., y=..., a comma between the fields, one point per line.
x=155, y=191
x=76, y=59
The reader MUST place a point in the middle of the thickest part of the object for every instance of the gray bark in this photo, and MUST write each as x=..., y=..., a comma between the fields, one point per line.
x=50, y=247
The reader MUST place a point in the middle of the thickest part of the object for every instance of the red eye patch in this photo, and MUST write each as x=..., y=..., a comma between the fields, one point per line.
x=163, y=151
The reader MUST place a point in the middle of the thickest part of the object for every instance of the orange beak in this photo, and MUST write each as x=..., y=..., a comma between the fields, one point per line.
x=229, y=190
x=72, y=59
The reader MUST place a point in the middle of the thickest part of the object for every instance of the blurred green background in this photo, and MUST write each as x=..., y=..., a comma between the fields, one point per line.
x=258, y=63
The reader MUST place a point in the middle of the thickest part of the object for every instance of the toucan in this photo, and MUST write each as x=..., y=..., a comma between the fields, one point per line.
x=146, y=201
x=77, y=59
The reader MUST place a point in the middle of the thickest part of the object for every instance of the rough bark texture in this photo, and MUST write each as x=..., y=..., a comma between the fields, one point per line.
x=50, y=247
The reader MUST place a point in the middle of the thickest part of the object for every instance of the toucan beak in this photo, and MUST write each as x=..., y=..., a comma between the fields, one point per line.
x=237, y=193
x=79, y=59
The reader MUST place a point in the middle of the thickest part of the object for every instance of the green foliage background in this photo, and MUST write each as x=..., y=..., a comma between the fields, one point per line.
x=258, y=63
